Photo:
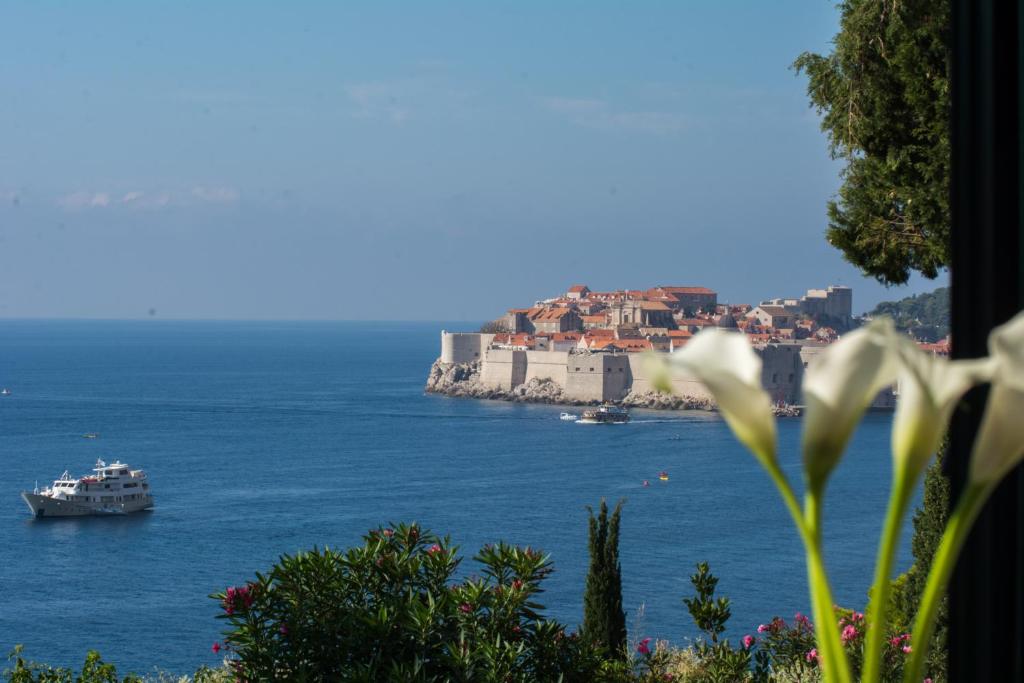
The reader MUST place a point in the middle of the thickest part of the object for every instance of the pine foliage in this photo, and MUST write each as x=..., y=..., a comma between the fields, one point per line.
x=884, y=97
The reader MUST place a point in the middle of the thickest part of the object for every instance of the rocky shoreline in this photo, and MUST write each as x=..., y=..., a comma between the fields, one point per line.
x=463, y=380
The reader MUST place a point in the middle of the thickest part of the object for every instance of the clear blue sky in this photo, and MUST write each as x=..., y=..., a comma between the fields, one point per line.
x=394, y=160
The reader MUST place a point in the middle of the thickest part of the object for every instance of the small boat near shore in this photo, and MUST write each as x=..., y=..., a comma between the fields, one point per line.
x=568, y=417
x=606, y=414
x=115, y=489
x=5, y=392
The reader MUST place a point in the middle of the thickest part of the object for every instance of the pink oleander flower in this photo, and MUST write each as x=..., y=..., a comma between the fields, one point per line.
x=517, y=584
x=465, y=608
x=812, y=656
x=642, y=648
x=748, y=642
x=762, y=628
x=231, y=592
x=388, y=532
x=849, y=633
x=907, y=649
x=857, y=616
x=434, y=549
x=216, y=648
x=927, y=680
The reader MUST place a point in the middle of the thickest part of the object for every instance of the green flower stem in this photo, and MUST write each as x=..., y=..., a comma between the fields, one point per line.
x=788, y=497
x=899, y=500
x=808, y=524
x=835, y=663
x=957, y=529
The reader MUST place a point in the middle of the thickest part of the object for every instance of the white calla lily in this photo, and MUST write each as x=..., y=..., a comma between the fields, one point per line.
x=999, y=445
x=731, y=370
x=838, y=387
x=930, y=388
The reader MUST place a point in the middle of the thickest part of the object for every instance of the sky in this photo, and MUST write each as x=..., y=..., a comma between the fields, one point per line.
x=408, y=161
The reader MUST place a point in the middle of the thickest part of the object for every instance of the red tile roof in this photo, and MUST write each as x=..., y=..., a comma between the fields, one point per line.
x=622, y=344
x=687, y=290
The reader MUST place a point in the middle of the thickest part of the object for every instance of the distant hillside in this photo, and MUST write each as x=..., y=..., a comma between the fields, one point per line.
x=925, y=316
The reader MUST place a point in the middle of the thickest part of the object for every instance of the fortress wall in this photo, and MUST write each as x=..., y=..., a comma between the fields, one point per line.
x=782, y=371
x=549, y=365
x=585, y=377
x=463, y=347
x=497, y=371
x=682, y=386
x=617, y=376
x=597, y=377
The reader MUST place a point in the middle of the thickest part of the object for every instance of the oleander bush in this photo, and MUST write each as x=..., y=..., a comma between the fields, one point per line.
x=392, y=609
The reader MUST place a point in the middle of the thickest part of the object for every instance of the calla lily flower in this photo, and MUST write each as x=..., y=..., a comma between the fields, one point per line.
x=838, y=387
x=929, y=390
x=1000, y=442
x=731, y=370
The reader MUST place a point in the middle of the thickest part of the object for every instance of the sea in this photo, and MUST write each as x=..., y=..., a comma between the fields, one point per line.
x=269, y=438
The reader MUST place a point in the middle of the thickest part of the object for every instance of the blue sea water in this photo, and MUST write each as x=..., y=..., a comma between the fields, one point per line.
x=269, y=438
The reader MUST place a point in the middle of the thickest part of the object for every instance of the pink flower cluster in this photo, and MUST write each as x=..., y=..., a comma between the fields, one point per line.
x=802, y=622
x=434, y=549
x=774, y=626
x=643, y=648
x=812, y=656
x=849, y=633
x=237, y=597
x=748, y=642
x=902, y=642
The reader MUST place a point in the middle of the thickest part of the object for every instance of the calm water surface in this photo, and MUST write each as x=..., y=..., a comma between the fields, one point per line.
x=267, y=438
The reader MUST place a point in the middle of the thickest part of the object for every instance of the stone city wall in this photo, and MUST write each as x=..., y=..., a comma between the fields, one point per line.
x=585, y=377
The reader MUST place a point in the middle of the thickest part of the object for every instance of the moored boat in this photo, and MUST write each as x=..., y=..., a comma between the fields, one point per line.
x=606, y=414
x=569, y=417
x=115, y=489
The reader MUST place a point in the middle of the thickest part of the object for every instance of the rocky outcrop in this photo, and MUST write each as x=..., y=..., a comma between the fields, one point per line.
x=659, y=401
x=463, y=380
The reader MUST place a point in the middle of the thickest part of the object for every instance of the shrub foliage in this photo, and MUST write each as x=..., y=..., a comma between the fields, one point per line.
x=391, y=609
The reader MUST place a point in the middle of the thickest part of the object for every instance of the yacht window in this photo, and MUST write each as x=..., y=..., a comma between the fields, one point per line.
x=123, y=472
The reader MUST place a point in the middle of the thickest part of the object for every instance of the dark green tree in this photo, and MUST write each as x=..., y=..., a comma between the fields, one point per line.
x=720, y=661
x=883, y=94
x=709, y=614
x=604, y=622
x=929, y=522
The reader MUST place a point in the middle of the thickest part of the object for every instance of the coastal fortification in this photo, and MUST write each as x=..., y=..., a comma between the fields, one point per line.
x=586, y=347
x=471, y=366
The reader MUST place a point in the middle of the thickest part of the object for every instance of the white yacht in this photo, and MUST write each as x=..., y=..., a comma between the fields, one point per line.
x=604, y=415
x=115, y=489
x=569, y=417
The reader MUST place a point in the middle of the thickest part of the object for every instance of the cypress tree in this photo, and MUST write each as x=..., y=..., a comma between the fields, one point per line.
x=929, y=523
x=604, y=622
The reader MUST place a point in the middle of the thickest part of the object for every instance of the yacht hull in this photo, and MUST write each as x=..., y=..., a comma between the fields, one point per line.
x=45, y=506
